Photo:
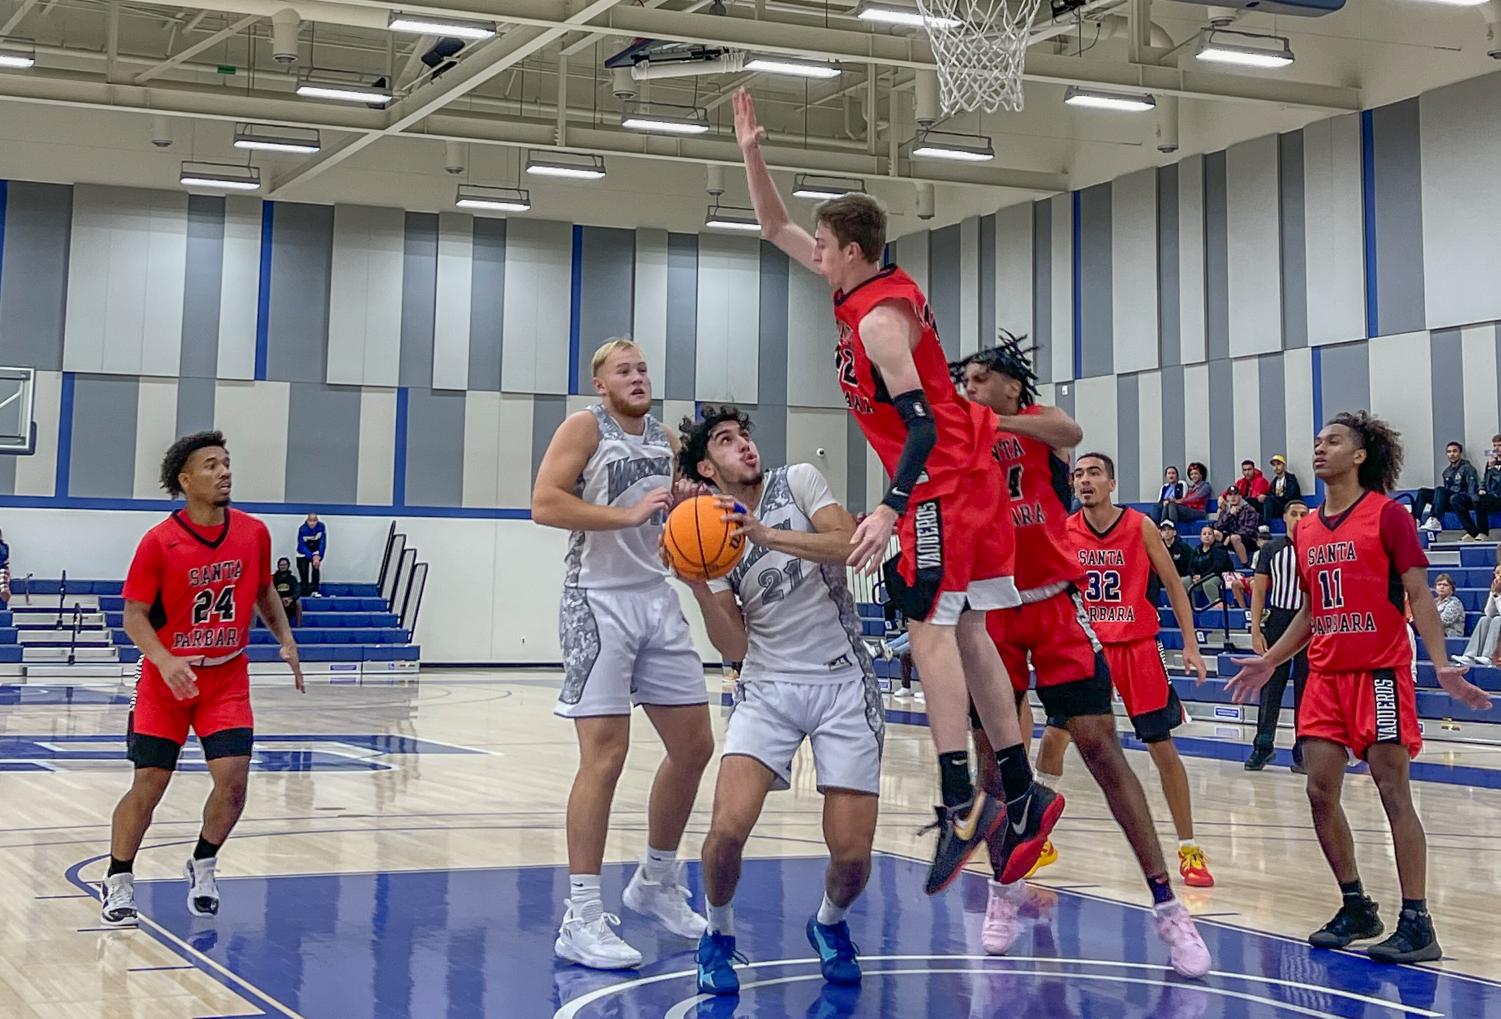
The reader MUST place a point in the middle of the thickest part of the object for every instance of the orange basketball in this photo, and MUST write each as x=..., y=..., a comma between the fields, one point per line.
x=701, y=545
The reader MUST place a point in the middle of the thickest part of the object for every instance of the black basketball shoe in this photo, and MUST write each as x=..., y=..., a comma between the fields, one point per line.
x=1356, y=920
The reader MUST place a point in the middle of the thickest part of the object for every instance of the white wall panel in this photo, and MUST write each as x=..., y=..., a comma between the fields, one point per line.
x=1191, y=326
x=1334, y=230
x=1401, y=381
x=482, y=442
x=969, y=288
x=649, y=323
x=729, y=318
x=364, y=296
x=911, y=253
x=156, y=429
x=260, y=453
x=1245, y=381
x=454, y=301
x=809, y=430
x=377, y=455
x=37, y=474
x=1196, y=421
x=538, y=294
x=1013, y=269
x=1253, y=240
x=1133, y=270
x=811, y=339
x=1062, y=340
x=1297, y=395
x=1482, y=416
x=1461, y=151
x=515, y=486
x=1149, y=437
x=1095, y=410
x=239, y=290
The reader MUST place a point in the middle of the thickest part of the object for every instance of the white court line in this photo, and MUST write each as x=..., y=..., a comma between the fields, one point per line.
x=572, y=1008
x=682, y=1008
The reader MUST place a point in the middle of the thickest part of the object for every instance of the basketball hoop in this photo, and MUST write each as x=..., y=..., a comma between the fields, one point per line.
x=980, y=47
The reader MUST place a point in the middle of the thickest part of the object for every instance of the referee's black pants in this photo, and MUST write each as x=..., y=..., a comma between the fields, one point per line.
x=1276, y=624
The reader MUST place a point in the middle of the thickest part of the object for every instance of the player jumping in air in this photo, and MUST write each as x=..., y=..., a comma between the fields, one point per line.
x=1359, y=559
x=786, y=612
x=957, y=552
x=192, y=591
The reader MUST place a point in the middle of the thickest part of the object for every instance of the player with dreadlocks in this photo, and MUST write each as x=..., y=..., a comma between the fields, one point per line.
x=1051, y=633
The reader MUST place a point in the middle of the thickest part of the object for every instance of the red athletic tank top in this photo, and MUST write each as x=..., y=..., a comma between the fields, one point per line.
x=1116, y=573
x=1037, y=484
x=963, y=437
x=1351, y=569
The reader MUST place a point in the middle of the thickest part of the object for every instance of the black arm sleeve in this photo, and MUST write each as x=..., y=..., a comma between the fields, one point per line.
x=922, y=435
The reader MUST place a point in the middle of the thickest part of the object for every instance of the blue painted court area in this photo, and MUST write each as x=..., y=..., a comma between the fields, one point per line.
x=478, y=943
x=297, y=752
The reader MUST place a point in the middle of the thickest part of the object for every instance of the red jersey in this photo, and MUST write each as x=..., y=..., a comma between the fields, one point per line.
x=202, y=582
x=1117, y=569
x=1351, y=570
x=964, y=437
x=1037, y=484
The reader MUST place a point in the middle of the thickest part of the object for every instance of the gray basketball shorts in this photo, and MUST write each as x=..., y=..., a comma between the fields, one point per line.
x=624, y=647
x=840, y=716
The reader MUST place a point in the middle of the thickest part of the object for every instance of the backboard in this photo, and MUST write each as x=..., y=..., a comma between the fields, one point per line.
x=17, y=396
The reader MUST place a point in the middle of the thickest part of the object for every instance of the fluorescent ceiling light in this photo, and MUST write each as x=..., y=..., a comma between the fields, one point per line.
x=1100, y=99
x=894, y=14
x=930, y=144
x=219, y=176
x=664, y=118
x=478, y=196
x=17, y=54
x=457, y=28
x=567, y=164
x=340, y=86
x=793, y=66
x=729, y=217
x=807, y=185
x=277, y=139
x=1244, y=49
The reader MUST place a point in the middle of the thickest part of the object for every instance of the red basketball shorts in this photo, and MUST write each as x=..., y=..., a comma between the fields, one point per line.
x=958, y=551
x=1140, y=677
x=223, y=702
x=1051, y=636
x=1359, y=709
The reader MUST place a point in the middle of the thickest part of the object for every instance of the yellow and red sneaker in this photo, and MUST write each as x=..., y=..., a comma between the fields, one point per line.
x=1194, y=868
x=1047, y=859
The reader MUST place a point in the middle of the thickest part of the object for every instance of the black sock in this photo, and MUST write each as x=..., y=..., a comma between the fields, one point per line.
x=117, y=866
x=1162, y=889
x=206, y=850
x=1352, y=891
x=1419, y=906
x=1016, y=775
x=953, y=771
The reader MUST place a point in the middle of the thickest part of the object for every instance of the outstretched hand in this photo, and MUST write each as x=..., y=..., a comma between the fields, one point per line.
x=748, y=133
x=1246, y=684
x=1452, y=679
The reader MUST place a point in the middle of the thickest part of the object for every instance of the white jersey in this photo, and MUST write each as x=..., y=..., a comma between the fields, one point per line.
x=799, y=615
x=621, y=472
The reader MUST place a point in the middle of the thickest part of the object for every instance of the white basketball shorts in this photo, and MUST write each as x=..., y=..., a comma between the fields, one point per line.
x=623, y=647
x=841, y=716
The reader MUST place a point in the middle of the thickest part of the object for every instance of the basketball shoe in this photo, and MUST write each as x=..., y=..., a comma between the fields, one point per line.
x=1194, y=868
x=1358, y=919
x=961, y=829
x=665, y=901
x=1002, y=919
x=716, y=958
x=1047, y=859
x=837, y=954
x=1412, y=941
x=1025, y=840
x=1185, y=947
x=203, y=890
x=117, y=901
x=587, y=937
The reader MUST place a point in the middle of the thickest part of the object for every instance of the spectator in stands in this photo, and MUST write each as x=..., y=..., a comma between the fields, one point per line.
x=1276, y=599
x=1195, y=503
x=1239, y=525
x=4, y=574
x=1210, y=567
x=1178, y=550
x=1284, y=489
x=1252, y=486
x=1489, y=499
x=1481, y=650
x=1458, y=489
x=289, y=589
x=312, y=546
x=1451, y=611
x=1169, y=497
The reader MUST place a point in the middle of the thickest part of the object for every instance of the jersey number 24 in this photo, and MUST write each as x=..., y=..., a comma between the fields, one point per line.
x=207, y=607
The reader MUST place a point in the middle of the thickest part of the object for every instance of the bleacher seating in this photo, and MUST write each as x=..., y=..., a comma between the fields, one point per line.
x=351, y=624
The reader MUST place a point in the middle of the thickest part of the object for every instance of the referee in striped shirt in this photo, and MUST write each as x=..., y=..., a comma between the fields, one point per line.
x=1276, y=598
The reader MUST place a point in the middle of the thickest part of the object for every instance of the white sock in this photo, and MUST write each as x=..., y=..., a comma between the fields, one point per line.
x=583, y=893
x=829, y=914
x=1012, y=891
x=1042, y=778
x=659, y=864
x=1188, y=843
x=721, y=918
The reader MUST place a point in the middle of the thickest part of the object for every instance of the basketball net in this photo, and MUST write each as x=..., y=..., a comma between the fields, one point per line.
x=980, y=47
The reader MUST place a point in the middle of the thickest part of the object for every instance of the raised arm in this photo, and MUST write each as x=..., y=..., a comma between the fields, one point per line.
x=829, y=543
x=1051, y=425
x=554, y=503
x=776, y=226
